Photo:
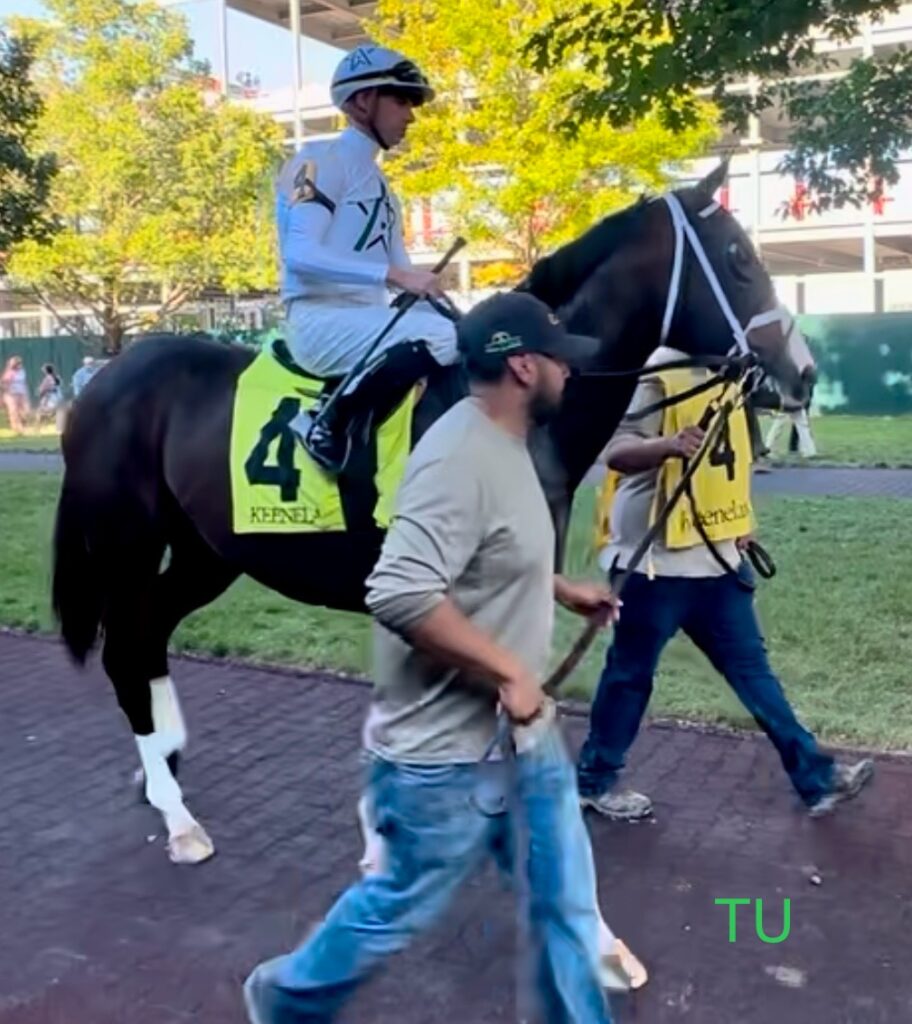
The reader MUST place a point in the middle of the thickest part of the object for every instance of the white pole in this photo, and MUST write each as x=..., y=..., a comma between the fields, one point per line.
x=294, y=18
x=222, y=17
x=869, y=244
x=755, y=141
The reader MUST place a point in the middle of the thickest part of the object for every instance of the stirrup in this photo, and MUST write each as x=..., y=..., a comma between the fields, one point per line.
x=330, y=451
x=301, y=426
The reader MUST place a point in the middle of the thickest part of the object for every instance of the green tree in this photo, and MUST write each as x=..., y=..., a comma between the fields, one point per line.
x=490, y=145
x=847, y=131
x=163, y=188
x=25, y=177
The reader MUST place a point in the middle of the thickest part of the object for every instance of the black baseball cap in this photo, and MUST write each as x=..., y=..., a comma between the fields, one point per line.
x=511, y=323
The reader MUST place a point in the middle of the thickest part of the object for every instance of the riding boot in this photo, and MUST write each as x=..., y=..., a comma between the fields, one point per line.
x=366, y=403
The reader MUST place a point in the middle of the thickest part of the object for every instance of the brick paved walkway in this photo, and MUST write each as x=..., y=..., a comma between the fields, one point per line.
x=97, y=927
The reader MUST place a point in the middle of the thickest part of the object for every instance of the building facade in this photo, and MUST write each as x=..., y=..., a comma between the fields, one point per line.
x=841, y=261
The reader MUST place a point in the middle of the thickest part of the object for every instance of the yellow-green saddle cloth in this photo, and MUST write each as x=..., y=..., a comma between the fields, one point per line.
x=275, y=486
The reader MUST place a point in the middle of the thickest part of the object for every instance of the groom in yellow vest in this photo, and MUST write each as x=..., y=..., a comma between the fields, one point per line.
x=706, y=590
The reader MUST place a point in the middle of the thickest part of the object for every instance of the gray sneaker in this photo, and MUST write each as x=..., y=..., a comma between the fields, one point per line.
x=626, y=805
x=848, y=781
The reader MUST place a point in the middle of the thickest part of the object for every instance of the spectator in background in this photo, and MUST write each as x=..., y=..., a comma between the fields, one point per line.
x=50, y=396
x=800, y=436
x=83, y=375
x=14, y=388
x=784, y=413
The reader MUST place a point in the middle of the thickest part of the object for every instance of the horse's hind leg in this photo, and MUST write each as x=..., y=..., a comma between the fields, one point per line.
x=137, y=631
x=195, y=576
x=126, y=661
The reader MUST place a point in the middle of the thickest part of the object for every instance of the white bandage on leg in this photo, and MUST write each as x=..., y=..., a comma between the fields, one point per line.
x=167, y=719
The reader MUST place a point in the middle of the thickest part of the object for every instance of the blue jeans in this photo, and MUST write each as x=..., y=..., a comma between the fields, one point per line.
x=439, y=824
x=717, y=613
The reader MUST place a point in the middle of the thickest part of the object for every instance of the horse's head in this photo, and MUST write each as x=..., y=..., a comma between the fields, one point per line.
x=726, y=296
x=678, y=270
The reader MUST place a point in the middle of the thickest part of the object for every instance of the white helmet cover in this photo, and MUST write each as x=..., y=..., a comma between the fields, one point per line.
x=371, y=67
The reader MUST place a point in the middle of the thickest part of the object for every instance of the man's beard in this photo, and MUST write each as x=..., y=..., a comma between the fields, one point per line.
x=543, y=408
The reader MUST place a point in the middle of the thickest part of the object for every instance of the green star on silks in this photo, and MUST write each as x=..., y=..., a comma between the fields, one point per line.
x=381, y=216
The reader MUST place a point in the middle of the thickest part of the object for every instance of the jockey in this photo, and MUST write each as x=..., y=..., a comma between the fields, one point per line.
x=342, y=249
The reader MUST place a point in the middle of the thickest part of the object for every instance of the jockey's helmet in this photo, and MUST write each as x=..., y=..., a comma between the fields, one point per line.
x=372, y=67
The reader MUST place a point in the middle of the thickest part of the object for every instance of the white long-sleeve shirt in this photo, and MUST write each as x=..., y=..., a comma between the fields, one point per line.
x=341, y=232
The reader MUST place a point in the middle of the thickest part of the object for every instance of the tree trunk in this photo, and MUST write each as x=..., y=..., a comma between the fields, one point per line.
x=112, y=331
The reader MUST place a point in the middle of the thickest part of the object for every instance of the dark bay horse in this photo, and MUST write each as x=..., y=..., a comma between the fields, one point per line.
x=144, y=536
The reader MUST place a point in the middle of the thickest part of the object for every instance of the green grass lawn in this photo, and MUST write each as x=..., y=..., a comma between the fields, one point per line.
x=853, y=440
x=836, y=616
x=43, y=442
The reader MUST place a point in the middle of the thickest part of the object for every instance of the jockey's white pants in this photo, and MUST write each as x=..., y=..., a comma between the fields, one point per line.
x=328, y=341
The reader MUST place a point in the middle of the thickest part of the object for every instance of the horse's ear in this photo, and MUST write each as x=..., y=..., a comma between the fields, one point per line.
x=714, y=180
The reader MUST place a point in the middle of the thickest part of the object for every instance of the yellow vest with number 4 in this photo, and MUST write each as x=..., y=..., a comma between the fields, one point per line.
x=721, y=484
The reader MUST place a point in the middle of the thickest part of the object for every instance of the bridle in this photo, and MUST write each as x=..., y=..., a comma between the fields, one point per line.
x=685, y=236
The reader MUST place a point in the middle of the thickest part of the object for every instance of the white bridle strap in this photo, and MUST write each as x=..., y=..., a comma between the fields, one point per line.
x=677, y=266
x=684, y=230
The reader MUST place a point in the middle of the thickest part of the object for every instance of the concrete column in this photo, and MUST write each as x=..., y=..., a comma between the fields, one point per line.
x=754, y=142
x=294, y=20
x=222, y=19
x=869, y=246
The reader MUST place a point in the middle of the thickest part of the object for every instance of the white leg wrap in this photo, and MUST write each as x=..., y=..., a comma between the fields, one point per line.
x=166, y=716
x=162, y=790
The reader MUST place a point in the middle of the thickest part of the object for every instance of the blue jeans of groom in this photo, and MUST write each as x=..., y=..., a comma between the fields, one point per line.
x=439, y=824
x=717, y=613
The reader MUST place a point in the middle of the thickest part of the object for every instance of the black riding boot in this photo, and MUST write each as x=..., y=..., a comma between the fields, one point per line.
x=366, y=403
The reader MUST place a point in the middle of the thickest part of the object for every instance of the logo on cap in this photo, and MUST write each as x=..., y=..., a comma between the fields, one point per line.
x=501, y=341
x=360, y=58
x=552, y=319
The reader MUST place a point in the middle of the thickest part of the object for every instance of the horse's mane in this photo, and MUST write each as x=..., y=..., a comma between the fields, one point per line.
x=556, y=279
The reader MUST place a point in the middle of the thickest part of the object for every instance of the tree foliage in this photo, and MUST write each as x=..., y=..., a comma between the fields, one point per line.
x=492, y=143
x=163, y=189
x=25, y=177
x=847, y=131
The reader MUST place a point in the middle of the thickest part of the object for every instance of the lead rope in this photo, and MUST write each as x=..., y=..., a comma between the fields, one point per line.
x=713, y=422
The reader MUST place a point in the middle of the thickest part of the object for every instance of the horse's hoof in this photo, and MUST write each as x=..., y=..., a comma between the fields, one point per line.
x=191, y=847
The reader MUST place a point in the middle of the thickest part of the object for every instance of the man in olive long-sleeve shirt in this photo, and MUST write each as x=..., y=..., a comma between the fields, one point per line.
x=463, y=594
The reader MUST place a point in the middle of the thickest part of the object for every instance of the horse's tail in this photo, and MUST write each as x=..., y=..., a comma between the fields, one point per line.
x=76, y=590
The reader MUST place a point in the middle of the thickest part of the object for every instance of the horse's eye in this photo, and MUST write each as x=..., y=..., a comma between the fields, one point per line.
x=739, y=259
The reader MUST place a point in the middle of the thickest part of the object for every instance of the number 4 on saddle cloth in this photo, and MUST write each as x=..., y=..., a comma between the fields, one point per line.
x=276, y=487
